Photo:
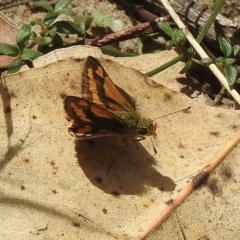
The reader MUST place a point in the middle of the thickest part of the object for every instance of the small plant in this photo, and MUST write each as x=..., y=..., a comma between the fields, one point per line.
x=26, y=39
x=51, y=35
x=21, y=50
x=225, y=63
x=178, y=38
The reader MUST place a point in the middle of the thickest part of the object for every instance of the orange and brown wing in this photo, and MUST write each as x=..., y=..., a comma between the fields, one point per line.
x=97, y=87
x=90, y=120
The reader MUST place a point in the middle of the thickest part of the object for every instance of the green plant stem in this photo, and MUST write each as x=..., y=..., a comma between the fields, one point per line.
x=165, y=66
x=210, y=20
x=114, y=52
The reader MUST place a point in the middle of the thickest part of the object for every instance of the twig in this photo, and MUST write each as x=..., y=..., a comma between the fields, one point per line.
x=5, y=6
x=132, y=32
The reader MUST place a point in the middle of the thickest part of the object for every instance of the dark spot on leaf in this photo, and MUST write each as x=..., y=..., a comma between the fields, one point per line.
x=75, y=224
x=26, y=160
x=54, y=191
x=34, y=117
x=234, y=126
x=62, y=95
x=220, y=115
x=104, y=210
x=52, y=163
x=166, y=97
x=214, y=133
x=205, y=237
x=181, y=146
x=22, y=187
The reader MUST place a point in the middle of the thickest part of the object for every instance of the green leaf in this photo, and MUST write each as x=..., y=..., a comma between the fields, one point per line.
x=235, y=50
x=68, y=27
x=52, y=31
x=15, y=66
x=50, y=17
x=179, y=37
x=230, y=61
x=9, y=50
x=169, y=45
x=23, y=36
x=101, y=20
x=61, y=4
x=83, y=22
x=231, y=74
x=30, y=54
x=225, y=46
x=45, y=41
x=206, y=61
x=45, y=5
x=221, y=60
x=166, y=28
x=66, y=11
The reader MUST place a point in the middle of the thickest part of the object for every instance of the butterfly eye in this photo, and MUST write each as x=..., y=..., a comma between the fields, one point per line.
x=142, y=131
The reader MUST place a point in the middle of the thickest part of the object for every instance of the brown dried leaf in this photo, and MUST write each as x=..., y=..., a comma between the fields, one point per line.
x=53, y=185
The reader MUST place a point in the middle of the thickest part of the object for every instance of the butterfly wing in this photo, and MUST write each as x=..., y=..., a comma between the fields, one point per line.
x=91, y=120
x=97, y=87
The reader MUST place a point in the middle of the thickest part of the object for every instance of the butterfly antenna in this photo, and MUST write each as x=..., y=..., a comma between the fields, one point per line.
x=181, y=110
x=154, y=149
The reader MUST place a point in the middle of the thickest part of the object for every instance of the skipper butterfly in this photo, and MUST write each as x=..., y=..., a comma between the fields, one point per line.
x=104, y=108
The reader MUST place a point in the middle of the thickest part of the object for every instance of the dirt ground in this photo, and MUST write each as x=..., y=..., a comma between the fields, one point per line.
x=20, y=12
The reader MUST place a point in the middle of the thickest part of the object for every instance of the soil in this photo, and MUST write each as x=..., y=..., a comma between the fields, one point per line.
x=20, y=12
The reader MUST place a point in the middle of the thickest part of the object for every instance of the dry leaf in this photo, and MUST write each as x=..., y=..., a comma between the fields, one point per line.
x=55, y=186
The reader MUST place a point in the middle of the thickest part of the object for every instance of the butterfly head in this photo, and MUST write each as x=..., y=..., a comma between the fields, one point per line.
x=146, y=127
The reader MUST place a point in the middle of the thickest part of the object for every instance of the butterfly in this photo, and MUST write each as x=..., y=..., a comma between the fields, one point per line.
x=104, y=108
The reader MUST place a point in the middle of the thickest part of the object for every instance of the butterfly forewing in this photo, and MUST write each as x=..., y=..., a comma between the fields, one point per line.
x=97, y=87
x=91, y=120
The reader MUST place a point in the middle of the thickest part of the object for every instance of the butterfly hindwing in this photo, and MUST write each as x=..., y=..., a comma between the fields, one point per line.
x=97, y=87
x=91, y=120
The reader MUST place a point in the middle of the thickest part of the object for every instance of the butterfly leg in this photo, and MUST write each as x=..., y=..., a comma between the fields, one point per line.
x=140, y=138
